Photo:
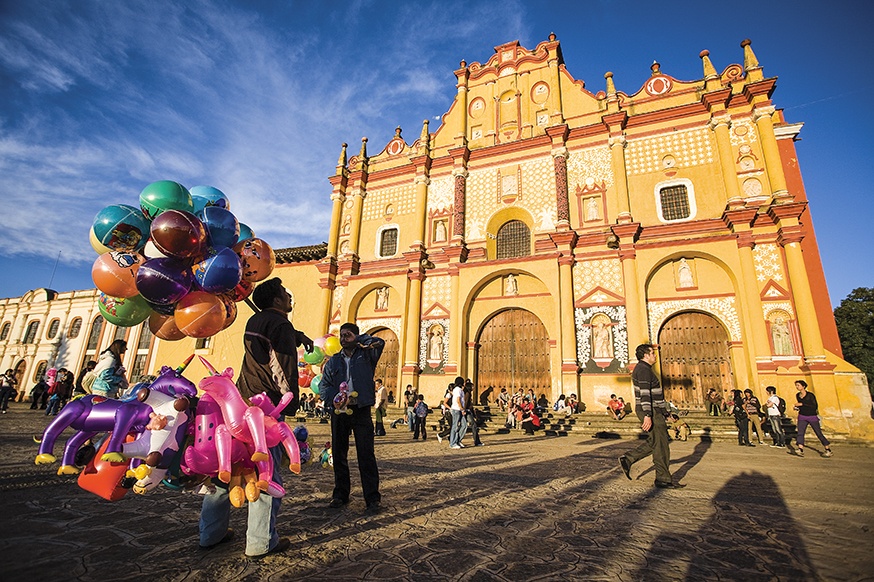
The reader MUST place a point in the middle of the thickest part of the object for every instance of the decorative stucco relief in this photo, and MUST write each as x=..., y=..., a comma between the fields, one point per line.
x=436, y=290
x=440, y=194
x=723, y=308
x=591, y=165
x=766, y=258
x=619, y=331
x=743, y=131
x=402, y=198
x=392, y=323
x=770, y=306
x=591, y=274
x=433, y=342
x=690, y=147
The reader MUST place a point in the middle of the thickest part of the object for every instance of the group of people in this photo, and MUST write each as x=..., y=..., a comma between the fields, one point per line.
x=617, y=407
x=459, y=414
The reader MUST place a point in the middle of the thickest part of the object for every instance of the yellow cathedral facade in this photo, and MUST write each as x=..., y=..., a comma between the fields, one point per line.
x=544, y=230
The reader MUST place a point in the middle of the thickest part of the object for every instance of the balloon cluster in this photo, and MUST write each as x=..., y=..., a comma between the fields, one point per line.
x=181, y=260
x=309, y=374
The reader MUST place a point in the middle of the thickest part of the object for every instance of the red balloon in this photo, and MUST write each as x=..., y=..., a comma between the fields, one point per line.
x=256, y=258
x=200, y=314
x=164, y=327
x=178, y=234
x=241, y=291
x=115, y=273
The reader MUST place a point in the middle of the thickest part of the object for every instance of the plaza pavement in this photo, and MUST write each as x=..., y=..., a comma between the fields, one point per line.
x=520, y=508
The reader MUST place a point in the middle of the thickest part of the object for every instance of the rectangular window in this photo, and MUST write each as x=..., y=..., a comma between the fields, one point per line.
x=139, y=367
x=202, y=343
x=675, y=203
x=388, y=244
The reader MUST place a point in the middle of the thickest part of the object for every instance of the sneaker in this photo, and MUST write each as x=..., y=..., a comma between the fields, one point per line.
x=626, y=466
x=337, y=503
x=281, y=546
x=439, y=439
x=827, y=453
x=482, y=444
x=460, y=445
x=800, y=452
x=455, y=447
x=774, y=446
x=229, y=535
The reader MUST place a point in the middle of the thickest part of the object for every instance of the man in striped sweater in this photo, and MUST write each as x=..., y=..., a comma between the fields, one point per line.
x=652, y=411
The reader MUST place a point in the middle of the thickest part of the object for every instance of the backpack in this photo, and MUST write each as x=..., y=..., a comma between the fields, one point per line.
x=421, y=409
x=782, y=407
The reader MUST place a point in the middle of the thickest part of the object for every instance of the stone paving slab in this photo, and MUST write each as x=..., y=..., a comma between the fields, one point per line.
x=519, y=508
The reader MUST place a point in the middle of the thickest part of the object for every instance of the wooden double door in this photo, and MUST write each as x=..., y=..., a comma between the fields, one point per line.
x=387, y=367
x=513, y=353
x=694, y=357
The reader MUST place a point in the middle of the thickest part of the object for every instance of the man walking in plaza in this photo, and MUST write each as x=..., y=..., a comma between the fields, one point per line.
x=652, y=411
x=269, y=365
x=456, y=409
x=775, y=417
x=355, y=365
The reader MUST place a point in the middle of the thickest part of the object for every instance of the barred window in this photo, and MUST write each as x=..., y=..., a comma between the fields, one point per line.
x=675, y=203
x=145, y=338
x=40, y=370
x=53, y=328
x=388, y=242
x=30, y=335
x=96, y=329
x=4, y=332
x=120, y=333
x=75, y=328
x=139, y=367
x=513, y=240
x=203, y=343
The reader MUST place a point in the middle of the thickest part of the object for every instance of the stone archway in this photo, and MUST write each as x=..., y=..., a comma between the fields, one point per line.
x=514, y=353
x=21, y=378
x=694, y=357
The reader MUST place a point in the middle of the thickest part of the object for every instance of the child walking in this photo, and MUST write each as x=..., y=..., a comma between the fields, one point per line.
x=420, y=411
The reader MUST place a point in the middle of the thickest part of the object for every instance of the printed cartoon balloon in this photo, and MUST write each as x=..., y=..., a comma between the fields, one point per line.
x=241, y=291
x=200, y=314
x=230, y=310
x=222, y=228
x=123, y=312
x=151, y=251
x=178, y=234
x=165, y=195
x=164, y=281
x=121, y=228
x=206, y=196
x=98, y=246
x=219, y=271
x=115, y=273
x=256, y=258
x=245, y=232
x=164, y=327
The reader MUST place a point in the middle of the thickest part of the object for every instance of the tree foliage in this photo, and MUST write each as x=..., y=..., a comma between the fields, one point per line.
x=855, y=320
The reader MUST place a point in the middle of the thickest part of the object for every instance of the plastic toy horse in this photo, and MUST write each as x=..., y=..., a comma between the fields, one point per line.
x=167, y=397
x=344, y=399
x=250, y=424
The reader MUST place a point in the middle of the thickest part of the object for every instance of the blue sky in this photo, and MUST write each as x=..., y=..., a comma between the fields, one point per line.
x=98, y=99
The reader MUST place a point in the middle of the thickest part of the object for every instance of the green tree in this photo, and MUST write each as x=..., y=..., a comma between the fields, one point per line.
x=855, y=319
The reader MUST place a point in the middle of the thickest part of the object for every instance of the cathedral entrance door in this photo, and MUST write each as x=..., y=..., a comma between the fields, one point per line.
x=514, y=353
x=387, y=367
x=694, y=357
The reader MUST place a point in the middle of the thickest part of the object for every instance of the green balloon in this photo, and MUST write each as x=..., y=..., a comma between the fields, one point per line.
x=124, y=312
x=165, y=195
x=315, y=357
x=314, y=385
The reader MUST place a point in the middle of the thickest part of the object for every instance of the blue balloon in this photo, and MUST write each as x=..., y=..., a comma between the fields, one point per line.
x=205, y=196
x=219, y=271
x=222, y=227
x=122, y=228
x=245, y=232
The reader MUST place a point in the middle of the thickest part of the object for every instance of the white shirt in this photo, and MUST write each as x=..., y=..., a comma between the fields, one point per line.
x=458, y=398
x=773, y=410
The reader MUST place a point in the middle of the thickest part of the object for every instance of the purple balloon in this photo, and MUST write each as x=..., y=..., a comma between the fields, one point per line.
x=164, y=281
x=219, y=272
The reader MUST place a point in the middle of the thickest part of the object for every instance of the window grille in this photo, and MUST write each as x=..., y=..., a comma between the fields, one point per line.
x=53, y=328
x=388, y=244
x=513, y=240
x=120, y=333
x=145, y=338
x=30, y=336
x=203, y=343
x=139, y=367
x=675, y=203
x=75, y=328
x=4, y=333
x=96, y=329
x=40, y=370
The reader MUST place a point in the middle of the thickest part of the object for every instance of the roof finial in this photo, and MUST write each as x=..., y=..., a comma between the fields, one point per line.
x=656, y=68
x=398, y=131
x=751, y=63
x=341, y=161
x=711, y=78
x=552, y=37
x=425, y=136
x=363, y=154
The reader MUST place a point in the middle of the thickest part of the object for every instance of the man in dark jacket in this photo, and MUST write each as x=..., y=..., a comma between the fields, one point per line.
x=652, y=411
x=355, y=364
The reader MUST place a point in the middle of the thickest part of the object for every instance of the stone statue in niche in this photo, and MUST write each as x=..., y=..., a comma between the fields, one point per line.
x=684, y=275
x=593, y=211
x=440, y=231
x=435, y=344
x=382, y=299
x=511, y=286
x=781, y=336
x=602, y=338
x=344, y=247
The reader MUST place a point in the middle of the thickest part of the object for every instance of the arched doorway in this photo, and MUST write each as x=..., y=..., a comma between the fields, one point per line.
x=387, y=367
x=514, y=353
x=694, y=357
x=20, y=377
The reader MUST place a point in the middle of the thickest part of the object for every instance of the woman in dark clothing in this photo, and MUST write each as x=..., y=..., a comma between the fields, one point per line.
x=808, y=411
x=741, y=419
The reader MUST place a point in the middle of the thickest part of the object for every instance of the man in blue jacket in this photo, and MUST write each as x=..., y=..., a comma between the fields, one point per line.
x=355, y=364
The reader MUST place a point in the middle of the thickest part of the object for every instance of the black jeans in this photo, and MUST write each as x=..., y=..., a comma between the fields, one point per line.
x=419, y=427
x=360, y=424
x=743, y=430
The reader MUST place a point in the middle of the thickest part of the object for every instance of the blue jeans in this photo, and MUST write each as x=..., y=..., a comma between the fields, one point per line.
x=777, y=430
x=455, y=434
x=261, y=533
x=411, y=417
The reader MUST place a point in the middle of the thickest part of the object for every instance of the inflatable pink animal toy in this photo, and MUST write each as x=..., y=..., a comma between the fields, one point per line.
x=344, y=399
x=250, y=424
